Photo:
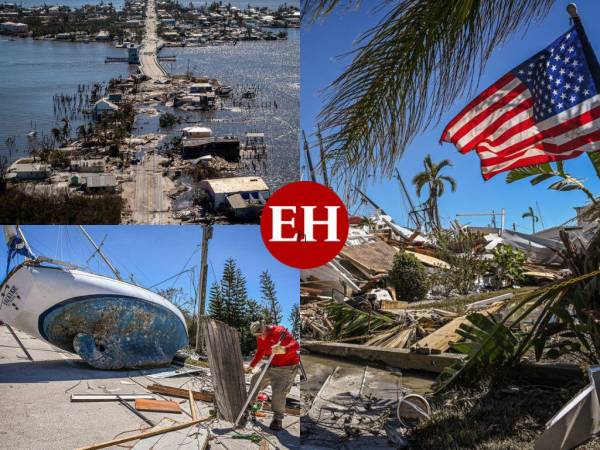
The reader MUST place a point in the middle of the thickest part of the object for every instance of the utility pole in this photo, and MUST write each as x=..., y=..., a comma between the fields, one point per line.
x=493, y=215
x=99, y=251
x=206, y=235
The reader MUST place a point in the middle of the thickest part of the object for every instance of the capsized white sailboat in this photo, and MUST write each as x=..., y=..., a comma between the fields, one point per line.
x=109, y=323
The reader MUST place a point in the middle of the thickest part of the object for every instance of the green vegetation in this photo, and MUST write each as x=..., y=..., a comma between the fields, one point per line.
x=435, y=182
x=269, y=296
x=545, y=172
x=87, y=20
x=531, y=214
x=296, y=321
x=409, y=277
x=167, y=120
x=462, y=249
x=507, y=266
x=351, y=322
x=404, y=75
x=21, y=206
x=229, y=303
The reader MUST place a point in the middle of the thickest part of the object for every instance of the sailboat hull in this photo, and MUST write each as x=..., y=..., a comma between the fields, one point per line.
x=109, y=323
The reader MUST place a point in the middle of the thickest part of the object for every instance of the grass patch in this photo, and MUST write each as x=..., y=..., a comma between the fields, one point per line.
x=500, y=412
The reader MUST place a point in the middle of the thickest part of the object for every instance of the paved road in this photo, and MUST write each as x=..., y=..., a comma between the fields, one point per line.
x=149, y=196
x=149, y=50
x=37, y=412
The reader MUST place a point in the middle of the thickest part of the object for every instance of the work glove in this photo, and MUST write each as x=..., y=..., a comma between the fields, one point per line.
x=278, y=350
x=249, y=369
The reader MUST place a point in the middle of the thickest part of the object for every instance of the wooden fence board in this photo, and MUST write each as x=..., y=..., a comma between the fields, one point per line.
x=226, y=367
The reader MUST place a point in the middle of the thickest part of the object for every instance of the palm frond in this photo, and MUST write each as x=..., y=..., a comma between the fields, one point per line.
x=526, y=172
x=314, y=9
x=349, y=321
x=406, y=71
x=490, y=343
x=595, y=160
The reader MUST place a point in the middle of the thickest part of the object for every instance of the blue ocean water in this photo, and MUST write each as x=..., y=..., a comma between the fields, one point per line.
x=32, y=72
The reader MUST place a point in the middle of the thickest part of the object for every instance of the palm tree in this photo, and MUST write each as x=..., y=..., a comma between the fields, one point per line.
x=534, y=218
x=435, y=182
x=406, y=72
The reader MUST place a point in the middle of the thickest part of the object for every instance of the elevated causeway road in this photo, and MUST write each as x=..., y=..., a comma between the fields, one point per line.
x=150, y=46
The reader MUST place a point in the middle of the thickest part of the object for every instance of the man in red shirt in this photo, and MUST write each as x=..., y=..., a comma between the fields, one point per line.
x=282, y=371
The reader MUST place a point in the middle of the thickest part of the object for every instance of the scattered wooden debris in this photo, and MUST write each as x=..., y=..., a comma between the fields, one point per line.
x=204, y=396
x=227, y=367
x=146, y=434
x=180, y=439
x=157, y=406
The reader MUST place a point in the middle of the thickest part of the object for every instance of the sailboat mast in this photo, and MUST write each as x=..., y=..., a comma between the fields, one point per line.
x=99, y=250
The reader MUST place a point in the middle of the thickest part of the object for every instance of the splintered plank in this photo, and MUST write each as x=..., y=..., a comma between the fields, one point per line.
x=203, y=396
x=157, y=406
x=439, y=341
x=226, y=367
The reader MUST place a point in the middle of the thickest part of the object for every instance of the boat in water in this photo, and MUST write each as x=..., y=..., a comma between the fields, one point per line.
x=109, y=323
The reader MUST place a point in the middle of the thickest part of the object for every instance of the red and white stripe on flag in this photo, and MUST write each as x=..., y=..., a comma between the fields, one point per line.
x=545, y=110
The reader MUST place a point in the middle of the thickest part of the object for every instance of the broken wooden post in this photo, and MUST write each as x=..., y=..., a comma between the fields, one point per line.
x=226, y=367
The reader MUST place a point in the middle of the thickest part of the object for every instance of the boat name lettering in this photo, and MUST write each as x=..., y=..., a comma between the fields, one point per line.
x=10, y=295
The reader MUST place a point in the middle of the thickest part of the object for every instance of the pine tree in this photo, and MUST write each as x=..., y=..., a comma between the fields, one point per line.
x=216, y=308
x=253, y=313
x=228, y=292
x=269, y=296
x=240, y=300
x=295, y=321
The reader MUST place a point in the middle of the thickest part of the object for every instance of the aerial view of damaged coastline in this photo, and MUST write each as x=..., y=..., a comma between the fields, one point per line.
x=147, y=111
x=108, y=337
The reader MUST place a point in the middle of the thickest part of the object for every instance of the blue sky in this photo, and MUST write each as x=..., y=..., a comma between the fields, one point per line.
x=153, y=253
x=325, y=41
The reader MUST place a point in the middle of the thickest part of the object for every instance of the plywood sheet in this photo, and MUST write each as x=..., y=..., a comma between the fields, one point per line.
x=374, y=257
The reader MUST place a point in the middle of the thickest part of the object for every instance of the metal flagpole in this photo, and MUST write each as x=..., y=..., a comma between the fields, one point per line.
x=588, y=50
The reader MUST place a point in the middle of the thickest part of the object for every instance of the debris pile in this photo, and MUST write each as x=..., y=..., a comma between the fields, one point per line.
x=354, y=298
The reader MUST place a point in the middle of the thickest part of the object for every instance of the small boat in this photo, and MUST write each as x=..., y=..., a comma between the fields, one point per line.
x=109, y=323
x=32, y=134
x=249, y=94
x=224, y=91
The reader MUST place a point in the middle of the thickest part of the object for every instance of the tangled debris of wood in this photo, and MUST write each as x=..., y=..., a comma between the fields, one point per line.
x=429, y=331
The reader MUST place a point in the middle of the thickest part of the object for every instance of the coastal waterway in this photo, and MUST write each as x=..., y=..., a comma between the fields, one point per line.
x=32, y=72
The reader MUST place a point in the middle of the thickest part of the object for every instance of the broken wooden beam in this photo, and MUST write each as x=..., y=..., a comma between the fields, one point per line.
x=203, y=396
x=158, y=406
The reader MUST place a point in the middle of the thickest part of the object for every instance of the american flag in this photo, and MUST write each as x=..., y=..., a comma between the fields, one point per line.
x=546, y=109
